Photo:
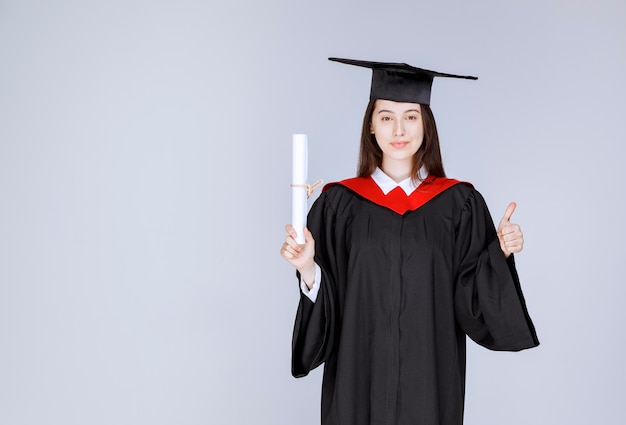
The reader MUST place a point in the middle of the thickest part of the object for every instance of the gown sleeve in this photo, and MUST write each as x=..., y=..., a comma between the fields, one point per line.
x=315, y=328
x=489, y=304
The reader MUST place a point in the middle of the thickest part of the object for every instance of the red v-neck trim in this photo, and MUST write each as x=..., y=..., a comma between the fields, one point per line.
x=397, y=200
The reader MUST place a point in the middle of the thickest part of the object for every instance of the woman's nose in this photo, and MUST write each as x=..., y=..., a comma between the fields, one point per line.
x=398, y=129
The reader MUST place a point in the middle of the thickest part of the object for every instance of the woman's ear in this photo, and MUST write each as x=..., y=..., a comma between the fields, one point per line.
x=371, y=129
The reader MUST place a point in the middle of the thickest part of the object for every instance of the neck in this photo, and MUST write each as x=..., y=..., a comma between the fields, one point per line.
x=397, y=171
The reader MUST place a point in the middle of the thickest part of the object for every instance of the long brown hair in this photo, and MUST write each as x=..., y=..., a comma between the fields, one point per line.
x=427, y=156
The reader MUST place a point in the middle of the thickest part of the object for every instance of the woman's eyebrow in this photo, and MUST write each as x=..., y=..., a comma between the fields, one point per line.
x=391, y=112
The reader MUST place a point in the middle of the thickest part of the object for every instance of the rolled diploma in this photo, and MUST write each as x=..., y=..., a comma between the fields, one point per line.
x=299, y=193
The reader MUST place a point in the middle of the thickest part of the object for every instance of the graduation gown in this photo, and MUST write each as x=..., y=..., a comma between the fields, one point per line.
x=404, y=280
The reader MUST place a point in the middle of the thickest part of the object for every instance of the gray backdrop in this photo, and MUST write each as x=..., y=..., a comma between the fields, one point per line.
x=144, y=186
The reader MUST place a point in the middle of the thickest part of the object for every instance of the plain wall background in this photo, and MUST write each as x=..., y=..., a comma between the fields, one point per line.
x=145, y=152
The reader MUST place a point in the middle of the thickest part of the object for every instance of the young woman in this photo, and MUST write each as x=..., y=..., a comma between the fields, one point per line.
x=399, y=265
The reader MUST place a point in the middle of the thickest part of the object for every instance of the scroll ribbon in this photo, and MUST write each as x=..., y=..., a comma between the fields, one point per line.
x=310, y=188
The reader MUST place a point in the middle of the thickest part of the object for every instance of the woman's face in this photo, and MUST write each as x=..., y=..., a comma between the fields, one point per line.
x=399, y=130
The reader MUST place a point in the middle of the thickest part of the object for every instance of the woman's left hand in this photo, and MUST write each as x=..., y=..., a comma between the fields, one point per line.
x=510, y=235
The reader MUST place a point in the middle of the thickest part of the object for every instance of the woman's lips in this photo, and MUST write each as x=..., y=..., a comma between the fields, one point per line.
x=399, y=145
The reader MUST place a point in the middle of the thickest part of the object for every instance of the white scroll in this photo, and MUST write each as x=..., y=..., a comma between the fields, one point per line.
x=299, y=205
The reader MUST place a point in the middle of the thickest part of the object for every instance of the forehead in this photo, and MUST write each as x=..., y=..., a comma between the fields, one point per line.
x=398, y=107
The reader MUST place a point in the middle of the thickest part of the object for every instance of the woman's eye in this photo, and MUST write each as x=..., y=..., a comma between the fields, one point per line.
x=386, y=118
x=411, y=117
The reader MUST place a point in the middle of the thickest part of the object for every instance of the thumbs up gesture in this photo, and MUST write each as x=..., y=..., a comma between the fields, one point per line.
x=510, y=235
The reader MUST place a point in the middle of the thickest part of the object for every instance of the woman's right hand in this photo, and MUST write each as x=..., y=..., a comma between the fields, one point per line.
x=300, y=255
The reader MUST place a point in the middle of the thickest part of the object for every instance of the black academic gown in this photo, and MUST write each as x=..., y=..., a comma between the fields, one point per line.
x=404, y=280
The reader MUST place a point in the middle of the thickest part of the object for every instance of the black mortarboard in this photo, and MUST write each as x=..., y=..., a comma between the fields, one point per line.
x=400, y=82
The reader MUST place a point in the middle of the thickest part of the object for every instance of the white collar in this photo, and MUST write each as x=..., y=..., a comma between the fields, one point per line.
x=387, y=184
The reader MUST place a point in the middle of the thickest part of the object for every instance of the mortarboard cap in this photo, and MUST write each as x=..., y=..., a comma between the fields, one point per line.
x=400, y=82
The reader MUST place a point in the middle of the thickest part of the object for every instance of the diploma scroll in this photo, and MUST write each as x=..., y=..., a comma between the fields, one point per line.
x=299, y=203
